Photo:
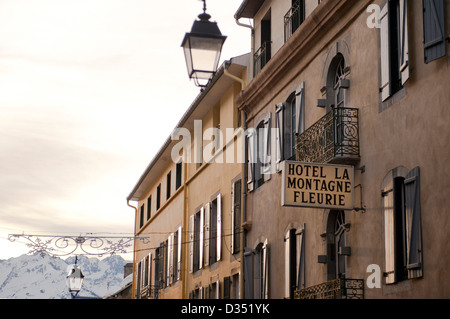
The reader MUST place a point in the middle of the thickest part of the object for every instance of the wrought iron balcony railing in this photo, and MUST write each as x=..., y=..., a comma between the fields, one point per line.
x=336, y=289
x=293, y=19
x=261, y=57
x=332, y=139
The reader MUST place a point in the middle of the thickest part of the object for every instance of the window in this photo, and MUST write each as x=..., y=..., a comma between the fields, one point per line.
x=158, y=197
x=294, y=18
x=178, y=180
x=259, y=154
x=394, y=47
x=236, y=216
x=290, y=117
x=149, y=207
x=141, y=216
x=434, y=30
x=263, y=54
x=168, y=184
x=294, y=261
x=206, y=235
x=402, y=225
x=159, y=267
x=196, y=241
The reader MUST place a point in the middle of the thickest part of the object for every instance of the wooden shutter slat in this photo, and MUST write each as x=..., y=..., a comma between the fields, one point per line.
x=435, y=46
x=413, y=224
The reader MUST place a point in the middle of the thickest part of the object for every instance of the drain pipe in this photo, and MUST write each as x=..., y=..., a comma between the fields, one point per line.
x=244, y=165
x=252, y=28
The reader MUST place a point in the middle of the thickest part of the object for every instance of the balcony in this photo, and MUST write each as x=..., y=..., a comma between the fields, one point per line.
x=261, y=57
x=293, y=19
x=336, y=289
x=332, y=139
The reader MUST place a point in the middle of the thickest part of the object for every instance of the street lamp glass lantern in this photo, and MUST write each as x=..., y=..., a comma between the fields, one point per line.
x=74, y=278
x=202, y=48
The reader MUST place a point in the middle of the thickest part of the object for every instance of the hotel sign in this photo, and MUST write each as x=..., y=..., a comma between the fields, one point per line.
x=317, y=185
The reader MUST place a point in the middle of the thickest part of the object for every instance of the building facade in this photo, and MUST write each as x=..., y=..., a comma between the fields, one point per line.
x=352, y=89
x=188, y=199
x=362, y=84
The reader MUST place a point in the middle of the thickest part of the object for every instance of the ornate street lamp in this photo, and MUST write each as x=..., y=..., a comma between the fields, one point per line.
x=74, y=279
x=202, y=48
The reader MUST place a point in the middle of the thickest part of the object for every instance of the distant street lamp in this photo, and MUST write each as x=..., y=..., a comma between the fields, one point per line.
x=74, y=279
x=202, y=48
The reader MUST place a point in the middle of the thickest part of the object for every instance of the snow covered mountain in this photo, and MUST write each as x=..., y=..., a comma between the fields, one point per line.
x=44, y=277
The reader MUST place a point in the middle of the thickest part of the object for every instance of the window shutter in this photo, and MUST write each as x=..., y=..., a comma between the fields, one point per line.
x=226, y=288
x=191, y=243
x=413, y=224
x=202, y=234
x=287, y=265
x=384, y=53
x=217, y=292
x=300, y=109
x=389, y=232
x=248, y=273
x=279, y=116
x=180, y=232
x=300, y=236
x=404, y=43
x=267, y=163
x=149, y=270
x=207, y=232
x=265, y=270
x=169, y=275
x=219, y=227
x=233, y=222
x=251, y=159
x=434, y=30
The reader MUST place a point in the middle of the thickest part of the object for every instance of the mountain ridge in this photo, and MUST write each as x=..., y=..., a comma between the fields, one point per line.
x=44, y=277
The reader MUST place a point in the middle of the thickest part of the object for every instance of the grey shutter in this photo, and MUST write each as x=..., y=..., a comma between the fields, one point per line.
x=385, y=87
x=169, y=274
x=202, y=234
x=233, y=222
x=300, y=109
x=389, y=232
x=279, y=116
x=226, y=288
x=219, y=227
x=413, y=224
x=434, y=30
x=248, y=273
x=404, y=43
x=149, y=269
x=300, y=236
x=251, y=152
x=207, y=232
x=191, y=242
x=267, y=162
x=179, y=253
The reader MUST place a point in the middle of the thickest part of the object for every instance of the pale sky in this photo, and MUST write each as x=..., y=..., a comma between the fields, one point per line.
x=89, y=92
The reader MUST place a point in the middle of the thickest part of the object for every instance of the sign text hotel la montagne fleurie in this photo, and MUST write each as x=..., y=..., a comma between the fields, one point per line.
x=317, y=185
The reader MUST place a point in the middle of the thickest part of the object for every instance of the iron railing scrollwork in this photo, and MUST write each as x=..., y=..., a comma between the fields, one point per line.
x=334, y=137
x=336, y=289
x=59, y=246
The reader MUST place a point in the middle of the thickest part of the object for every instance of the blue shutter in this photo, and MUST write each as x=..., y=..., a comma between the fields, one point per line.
x=434, y=29
x=413, y=224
